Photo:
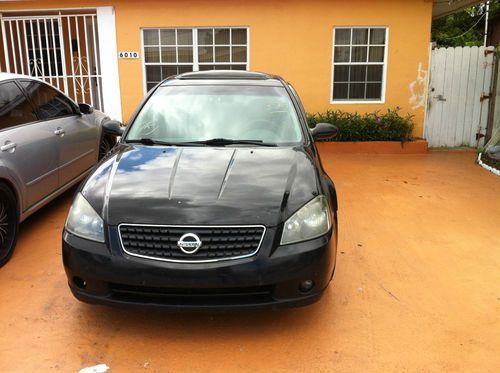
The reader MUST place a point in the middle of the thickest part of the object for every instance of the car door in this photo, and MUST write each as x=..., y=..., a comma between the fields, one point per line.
x=77, y=137
x=28, y=146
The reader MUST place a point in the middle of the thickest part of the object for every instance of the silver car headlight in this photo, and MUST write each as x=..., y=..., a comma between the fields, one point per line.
x=311, y=221
x=83, y=221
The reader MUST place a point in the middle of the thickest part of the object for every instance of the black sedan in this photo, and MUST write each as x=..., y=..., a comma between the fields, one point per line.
x=214, y=197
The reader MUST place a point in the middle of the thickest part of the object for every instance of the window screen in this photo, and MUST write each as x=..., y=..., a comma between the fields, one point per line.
x=359, y=64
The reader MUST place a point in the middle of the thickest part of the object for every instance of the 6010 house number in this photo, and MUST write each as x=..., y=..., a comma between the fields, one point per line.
x=128, y=54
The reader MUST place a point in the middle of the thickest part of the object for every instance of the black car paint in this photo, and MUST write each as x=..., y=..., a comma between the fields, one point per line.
x=176, y=185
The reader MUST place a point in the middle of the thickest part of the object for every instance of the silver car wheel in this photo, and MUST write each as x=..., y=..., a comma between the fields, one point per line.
x=4, y=223
x=8, y=223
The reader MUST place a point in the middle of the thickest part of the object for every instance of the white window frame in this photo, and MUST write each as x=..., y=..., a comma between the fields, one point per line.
x=196, y=64
x=384, y=69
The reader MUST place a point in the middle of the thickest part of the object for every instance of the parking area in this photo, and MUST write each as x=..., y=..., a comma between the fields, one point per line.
x=417, y=288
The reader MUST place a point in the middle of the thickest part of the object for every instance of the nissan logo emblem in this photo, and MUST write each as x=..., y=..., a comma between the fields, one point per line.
x=189, y=243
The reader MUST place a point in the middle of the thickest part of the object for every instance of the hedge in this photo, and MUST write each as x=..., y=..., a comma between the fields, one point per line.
x=389, y=126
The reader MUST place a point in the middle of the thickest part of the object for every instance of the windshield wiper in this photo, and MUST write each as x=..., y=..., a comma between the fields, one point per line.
x=223, y=141
x=149, y=141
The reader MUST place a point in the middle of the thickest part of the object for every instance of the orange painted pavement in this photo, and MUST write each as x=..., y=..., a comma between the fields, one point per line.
x=417, y=289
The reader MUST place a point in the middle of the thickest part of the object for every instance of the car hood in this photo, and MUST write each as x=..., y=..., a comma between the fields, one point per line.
x=201, y=185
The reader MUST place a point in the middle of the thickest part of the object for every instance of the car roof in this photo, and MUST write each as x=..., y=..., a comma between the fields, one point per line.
x=9, y=76
x=224, y=77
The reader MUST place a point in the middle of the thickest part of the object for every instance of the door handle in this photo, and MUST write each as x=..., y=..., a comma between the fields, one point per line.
x=59, y=131
x=8, y=146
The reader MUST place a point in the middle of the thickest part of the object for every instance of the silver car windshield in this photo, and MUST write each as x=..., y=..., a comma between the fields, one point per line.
x=178, y=114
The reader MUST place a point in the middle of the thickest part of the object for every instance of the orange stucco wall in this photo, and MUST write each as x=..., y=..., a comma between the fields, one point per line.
x=287, y=37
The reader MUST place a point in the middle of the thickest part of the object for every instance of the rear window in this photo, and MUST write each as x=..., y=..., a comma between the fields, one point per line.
x=15, y=109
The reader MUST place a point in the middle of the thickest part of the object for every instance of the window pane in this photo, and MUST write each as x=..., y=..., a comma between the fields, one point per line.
x=14, y=107
x=377, y=36
x=341, y=73
x=375, y=73
x=238, y=67
x=340, y=91
x=222, y=36
x=239, y=36
x=358, y=73
x=342, y=36
x=185, y=37
x=205, y=54
x=205, y=37
x=357, y=90
x=150, y=86
x=342, y=54
x=374, y=91
x=359, y=54
x=184, y=69
x=239, y=54
x=168, y=55
x=360, y=36
x=207, y=67
x=49, y=102
x=152, y=54
x=185, y=54
x=377, y=54
x=221, y=54
x=170, y=70
x=151, y=37
x=167, y=37
x=153, y=73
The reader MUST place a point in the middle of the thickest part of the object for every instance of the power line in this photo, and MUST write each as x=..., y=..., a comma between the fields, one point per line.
x=475, y=24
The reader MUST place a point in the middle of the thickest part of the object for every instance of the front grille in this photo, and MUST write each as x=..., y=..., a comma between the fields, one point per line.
x=217, y=243
x=193, y=297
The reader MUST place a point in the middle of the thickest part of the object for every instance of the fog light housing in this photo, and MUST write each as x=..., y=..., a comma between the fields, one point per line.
x=80, y=282
x=306, y=286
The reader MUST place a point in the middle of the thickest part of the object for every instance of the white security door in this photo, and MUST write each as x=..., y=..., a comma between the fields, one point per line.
x=459, y=90
x=61, y=49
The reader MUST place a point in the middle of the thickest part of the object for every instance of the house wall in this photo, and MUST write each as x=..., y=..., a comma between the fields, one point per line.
x=290, y=38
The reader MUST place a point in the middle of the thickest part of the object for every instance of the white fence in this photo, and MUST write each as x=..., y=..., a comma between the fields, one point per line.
x=459, y=89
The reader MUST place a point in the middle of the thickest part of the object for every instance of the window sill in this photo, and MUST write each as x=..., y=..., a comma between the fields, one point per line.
x=359, y=102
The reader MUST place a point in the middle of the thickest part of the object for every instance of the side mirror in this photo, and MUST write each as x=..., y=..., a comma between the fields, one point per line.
x=112, y=127
x=85, y=109
x=324, y=131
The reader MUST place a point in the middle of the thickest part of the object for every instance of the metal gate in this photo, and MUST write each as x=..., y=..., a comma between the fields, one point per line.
x=459, y=90
x=61, y=49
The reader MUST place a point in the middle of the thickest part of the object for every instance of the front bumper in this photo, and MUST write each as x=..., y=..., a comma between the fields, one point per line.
x=103, y=274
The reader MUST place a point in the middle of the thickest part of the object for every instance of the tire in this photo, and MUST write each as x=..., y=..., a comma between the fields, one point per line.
x=106, y=145
x=9, y=223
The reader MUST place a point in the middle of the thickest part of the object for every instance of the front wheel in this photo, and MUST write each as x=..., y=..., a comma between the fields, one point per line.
x=9, y=223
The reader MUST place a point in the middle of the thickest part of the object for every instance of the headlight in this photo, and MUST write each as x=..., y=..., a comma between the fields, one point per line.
x=83, y=221
x=311, y=221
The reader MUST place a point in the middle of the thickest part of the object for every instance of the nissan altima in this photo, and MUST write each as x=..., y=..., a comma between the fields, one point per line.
x=48, y=143
x=215, y=197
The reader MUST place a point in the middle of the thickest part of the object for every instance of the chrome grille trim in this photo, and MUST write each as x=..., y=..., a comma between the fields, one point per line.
x=187, y=227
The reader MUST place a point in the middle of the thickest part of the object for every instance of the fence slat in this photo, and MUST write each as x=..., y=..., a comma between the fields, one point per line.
x=462, y=97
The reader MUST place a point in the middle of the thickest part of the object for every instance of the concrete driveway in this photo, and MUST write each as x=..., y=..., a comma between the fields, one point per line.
x=417, y=289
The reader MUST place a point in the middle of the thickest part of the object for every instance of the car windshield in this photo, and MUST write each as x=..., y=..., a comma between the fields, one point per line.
x=184, y=114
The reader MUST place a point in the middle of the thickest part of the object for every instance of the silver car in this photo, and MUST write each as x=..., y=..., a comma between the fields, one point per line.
x=47, y=144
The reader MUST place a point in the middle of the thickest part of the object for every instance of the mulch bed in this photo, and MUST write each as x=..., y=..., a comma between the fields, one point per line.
x=490, y=161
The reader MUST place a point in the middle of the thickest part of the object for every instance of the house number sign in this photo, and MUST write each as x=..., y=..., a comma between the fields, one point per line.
x=128, y=54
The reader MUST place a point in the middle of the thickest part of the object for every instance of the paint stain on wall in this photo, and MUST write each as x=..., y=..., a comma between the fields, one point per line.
x=417, y=89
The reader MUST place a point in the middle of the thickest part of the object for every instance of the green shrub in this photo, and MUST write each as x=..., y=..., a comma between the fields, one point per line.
x=389, y=126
